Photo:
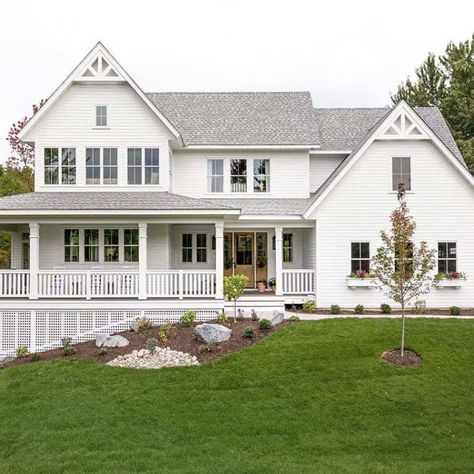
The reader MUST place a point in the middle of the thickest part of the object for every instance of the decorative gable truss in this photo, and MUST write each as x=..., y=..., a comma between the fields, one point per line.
x=99, y=69
x=403, y=127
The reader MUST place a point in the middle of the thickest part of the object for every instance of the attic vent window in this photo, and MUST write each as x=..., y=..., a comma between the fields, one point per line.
x=99, y=69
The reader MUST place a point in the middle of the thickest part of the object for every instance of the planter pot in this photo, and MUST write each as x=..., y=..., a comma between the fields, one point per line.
x=450, y=283
x=360, y=282
x=261, y=287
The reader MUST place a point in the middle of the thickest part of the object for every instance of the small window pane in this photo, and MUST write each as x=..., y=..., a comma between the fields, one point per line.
x=68, y=168
x=360, y=257
x=447, y=257
x=101, y=116
x=187, y=248
x=238, y=176
x=261, y=171
x=134, y=158
x=131, y=248
x=51, y=166
x=401, y=172
x=215, y=174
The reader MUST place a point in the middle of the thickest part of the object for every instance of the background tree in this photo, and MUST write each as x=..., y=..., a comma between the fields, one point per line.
x=447, y=82
x=401, y=267
x=234, y=286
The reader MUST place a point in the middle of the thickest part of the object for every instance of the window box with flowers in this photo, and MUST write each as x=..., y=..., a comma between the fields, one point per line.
x=449, y=279
x=360, y=279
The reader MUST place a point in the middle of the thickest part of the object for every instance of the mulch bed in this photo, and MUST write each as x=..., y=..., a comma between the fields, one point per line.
x=182, y=340
x=410, y=358
x=374, y=312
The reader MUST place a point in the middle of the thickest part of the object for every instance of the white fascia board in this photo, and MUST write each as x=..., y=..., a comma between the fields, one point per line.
x=269, y=217
x=99, y=47
x=110, y=212
x=402, y=105
x=250, y=147
x=330, y=152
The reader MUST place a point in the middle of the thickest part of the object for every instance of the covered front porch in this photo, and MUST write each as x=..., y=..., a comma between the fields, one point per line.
x=159, y=259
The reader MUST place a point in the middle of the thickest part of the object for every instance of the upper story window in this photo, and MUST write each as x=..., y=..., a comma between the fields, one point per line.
x=64, y=172
x=147, y=171
x=101, y=116
x=401, y=172
x=215, y=176
x=447, y=257
x=261, y=176
x=360, y=257
x=238, y=176
x=94, y=170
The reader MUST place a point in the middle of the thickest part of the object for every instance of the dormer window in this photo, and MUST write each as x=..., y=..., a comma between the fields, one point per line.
x=101, y=116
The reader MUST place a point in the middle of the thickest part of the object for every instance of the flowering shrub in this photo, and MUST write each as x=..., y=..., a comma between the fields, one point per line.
x=450, y=276
x=361, y=274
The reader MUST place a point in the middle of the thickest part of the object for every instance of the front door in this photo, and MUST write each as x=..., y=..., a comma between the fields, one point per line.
x=244, y=256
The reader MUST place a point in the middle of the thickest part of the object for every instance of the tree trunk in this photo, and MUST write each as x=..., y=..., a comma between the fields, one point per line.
x=402, y=345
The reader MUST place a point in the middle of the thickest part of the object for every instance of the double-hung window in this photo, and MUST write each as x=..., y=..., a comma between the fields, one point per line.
x=238, y=176
x=201, y=248
x=109, y=165
x=91, y=245
x=261, y=176
x=215, y=175
x=401, y=172
x=92, y=165
x=130, y=245
x=111, y=245
x=101, y=116
x=71, y=245
x=187, y=248
x=288, y=248
x=134, y=157
x=51, y=166
x=447, y=255
x=152, y=166
x=68, y=168
x=360, y=257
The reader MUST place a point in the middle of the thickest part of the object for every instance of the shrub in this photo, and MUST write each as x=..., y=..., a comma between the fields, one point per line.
x=36, y=356
x=66, y=341
x=420, y=307
x=249, y=332
x=209, y=346
x=69, y=351
x=234, y=286
x=359, y=309
x=309, y=306
x=102, y=351
x=265, y=324
x=141, y=325
x=294, y=318
x=188, y=318
x=151, y=344
x=222, y=318
x=166, y=331
x=385, y=308
x=335, y=309
x=455, y=311
x=22, y=351
x=253, y=315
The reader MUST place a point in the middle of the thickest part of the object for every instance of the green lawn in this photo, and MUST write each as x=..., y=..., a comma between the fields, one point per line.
x=314, y=397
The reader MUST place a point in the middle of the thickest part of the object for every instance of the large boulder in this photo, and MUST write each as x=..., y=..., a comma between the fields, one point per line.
x=104, y=340
x=212, y=332
x=277, y=318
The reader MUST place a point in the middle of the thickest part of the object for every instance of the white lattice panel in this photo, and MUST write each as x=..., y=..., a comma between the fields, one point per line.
x=81, y=325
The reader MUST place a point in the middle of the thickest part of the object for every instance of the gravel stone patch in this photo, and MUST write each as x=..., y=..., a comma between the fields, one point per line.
x=161, y=357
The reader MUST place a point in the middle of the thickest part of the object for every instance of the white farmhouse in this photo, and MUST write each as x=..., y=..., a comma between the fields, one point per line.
x=144, y=201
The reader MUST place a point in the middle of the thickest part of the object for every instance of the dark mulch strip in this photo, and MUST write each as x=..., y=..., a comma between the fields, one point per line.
x=410, y=358
x=373, y=312
x=182, y=340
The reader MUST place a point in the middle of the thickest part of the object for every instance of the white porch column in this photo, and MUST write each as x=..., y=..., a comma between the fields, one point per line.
x=142, y=260
x=279, y=260
x=219, y=260
x=34, y=259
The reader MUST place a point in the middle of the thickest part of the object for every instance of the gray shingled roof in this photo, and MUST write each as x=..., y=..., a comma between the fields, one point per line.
x=345, y=128
x=117, y=200
x=240, y=118
x=267, y=206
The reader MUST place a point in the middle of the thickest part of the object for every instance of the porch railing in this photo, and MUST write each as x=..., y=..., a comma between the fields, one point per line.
x=297, y=282
x=181, y=283
x=14, y=283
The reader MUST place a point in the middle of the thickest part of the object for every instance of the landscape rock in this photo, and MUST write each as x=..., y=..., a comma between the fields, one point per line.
x=104, y=340
x=277, y=318
x=212, y=333
x=145, y=359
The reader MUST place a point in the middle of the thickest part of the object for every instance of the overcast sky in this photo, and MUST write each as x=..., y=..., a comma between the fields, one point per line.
x=347, y=53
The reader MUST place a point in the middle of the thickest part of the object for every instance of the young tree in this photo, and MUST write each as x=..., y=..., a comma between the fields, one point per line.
x=234, y=286
x=447, y=82
x=402, y=267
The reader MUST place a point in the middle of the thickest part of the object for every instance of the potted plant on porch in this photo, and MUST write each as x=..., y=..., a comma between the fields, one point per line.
x=272, y=284
x=261, y=286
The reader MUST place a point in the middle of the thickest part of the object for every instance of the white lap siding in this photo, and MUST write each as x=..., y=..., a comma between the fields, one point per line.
x=320, y=167
x=441, y=201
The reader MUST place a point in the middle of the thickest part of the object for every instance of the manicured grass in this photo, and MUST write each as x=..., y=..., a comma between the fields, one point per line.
x=314, y=397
